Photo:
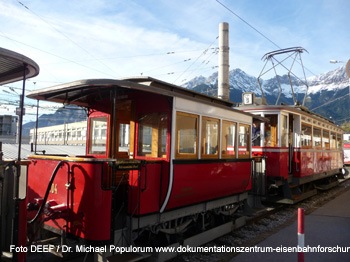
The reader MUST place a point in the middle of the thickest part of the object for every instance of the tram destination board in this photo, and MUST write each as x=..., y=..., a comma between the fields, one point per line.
x=127, y=164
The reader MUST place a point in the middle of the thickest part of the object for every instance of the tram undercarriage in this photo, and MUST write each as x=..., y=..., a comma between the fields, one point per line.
x=295, y=189
x=193, y=226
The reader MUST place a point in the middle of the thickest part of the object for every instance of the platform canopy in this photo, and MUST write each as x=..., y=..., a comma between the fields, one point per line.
x=12, y=67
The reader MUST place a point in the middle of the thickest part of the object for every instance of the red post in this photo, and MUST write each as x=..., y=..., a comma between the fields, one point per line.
x=301, y=223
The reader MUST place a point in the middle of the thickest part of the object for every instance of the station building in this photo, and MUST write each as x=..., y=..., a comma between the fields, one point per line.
x=65, y=134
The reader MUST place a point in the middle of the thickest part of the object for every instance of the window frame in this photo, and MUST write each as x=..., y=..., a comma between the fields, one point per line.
x=301, y=136
x=313, y=137
x=245, y=155
x=89, y=140
x=339, y=144
x=323, y=138
x=335, y=140
x=234, y=155
x=274, y=130
x=179, y=155
x=155, y=144
x=216, y=155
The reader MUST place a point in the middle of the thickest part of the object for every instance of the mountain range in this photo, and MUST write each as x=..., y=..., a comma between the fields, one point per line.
x=328, y=93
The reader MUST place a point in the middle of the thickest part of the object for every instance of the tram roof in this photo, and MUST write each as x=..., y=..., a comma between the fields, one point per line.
x=293, y=108
x=83, y=92
x=12, y=66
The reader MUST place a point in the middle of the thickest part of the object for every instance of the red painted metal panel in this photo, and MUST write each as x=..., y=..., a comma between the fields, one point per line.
x=145, y=188
x=87, y=203
x=313, y=162
x=201, y=182
x=276, y=161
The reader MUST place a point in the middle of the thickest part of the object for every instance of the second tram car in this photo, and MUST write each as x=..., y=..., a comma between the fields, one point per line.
x=303, y=150
x=160, y=160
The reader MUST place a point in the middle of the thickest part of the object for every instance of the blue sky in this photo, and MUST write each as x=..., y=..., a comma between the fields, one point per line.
x=72, y=40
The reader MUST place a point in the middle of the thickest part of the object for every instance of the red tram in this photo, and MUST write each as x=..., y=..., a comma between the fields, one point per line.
x=303, y=150
x=160, y=160
x=165, y=165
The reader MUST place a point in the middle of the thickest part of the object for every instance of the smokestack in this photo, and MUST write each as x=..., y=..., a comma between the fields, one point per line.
x=223, y=79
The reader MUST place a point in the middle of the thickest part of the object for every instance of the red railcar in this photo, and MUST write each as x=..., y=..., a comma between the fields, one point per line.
x=303, y=150
x=159, y=159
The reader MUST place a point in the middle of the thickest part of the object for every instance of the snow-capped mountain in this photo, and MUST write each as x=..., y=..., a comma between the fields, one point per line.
x=322, y=88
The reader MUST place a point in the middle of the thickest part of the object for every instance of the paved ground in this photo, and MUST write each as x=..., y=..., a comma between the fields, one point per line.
x=327, y=227
x=10, y=151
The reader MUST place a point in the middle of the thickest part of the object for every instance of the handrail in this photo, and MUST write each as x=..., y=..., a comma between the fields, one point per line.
x=47, y=192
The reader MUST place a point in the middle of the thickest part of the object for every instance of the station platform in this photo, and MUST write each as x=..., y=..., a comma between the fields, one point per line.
x=327, y=232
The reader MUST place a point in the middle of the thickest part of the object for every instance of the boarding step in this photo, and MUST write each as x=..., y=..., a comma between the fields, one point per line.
x=327, y=186
x=295, y=198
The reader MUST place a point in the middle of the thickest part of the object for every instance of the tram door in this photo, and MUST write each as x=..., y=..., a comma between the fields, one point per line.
x=122, y=140
x=121, y=147
x=290, y=143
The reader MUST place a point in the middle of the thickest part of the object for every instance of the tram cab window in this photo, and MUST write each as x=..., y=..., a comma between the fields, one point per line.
x=152, y=135
x=210, y=137
x=306, y=135
x=271, y=134
x=243, y=141
x=333, y=140
x=98, y=136
x=228, y=135
x=325, y=139
x=339, y=141
x=316, y=139
x=186, y=140
x=124, y=137
x=284, y=131
x=256, y=133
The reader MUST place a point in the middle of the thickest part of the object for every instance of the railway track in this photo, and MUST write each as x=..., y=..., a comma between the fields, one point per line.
x=265, y=223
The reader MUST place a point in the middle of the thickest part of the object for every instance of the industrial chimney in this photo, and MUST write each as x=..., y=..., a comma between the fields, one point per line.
x=223, y=79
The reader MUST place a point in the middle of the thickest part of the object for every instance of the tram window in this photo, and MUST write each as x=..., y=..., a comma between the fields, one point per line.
x=284, y=131
x=339, y=141
x=306, y=135
x=98, y=135
x=124, y=135
x=152, y=135
x=325, y=139
x=256, y=133
x=243, y=141
x=271, y=134
x=228, y=139
x=333, y=140
x=186, y=140
x=316, y=139
x=210, y=137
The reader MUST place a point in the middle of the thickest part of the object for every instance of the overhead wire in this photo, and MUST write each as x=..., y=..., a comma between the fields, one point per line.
x=331, y=101
x=256, y=30
x=63, y=34
x=202, y=54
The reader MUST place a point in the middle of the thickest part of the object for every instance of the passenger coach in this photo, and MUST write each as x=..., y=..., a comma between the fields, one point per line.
x=303, y=150
x=160, y=160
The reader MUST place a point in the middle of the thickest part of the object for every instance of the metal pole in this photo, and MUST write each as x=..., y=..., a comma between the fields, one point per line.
x=22, y=111
x=36, y=125
x=301, y=230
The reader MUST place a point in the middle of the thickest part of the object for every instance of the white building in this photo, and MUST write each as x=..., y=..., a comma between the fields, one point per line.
x=65, y=134
x=8, y=125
